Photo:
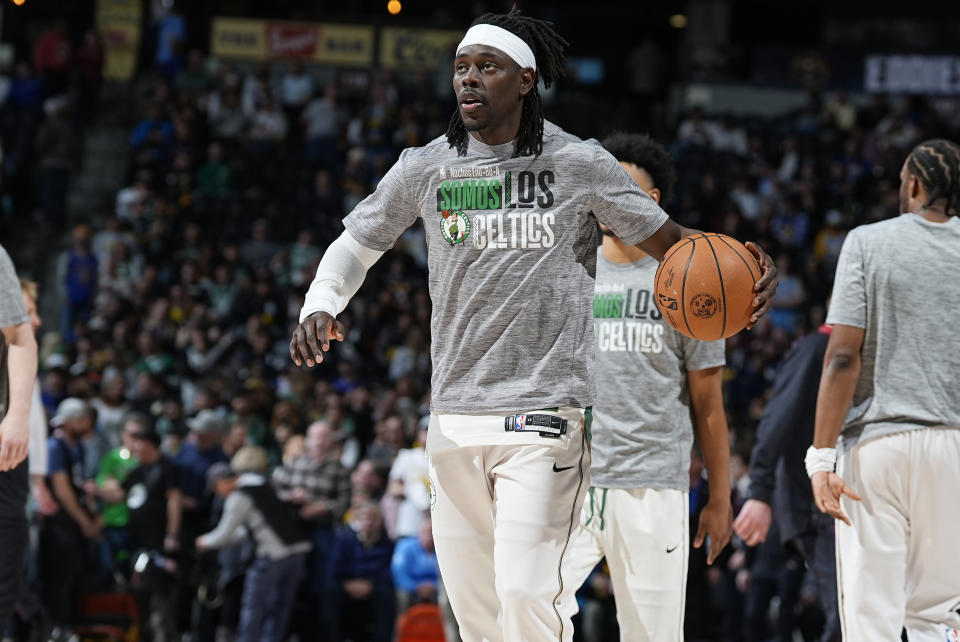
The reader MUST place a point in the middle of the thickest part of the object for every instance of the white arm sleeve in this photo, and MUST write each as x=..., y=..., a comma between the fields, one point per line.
x=341, y=271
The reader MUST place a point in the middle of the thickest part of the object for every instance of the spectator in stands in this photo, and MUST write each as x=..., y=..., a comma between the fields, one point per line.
x=281, y=546
x=213, y=177
x=88, y=61
x=319, y=486
x=171, y=37
x=320, y=120
x=388, y=440
x=296, y=88
x=201, y=450
x=414, y=568
x=116, y=465
x=153, y=136
x=193, y=81
x=66, y=536
x=111, y=406
x=58, y=153
x=153, y=497
x=409, y=487
x=51, y=57
x=365, y=599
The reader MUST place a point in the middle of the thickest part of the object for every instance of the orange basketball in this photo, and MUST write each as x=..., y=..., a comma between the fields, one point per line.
x=704, y=286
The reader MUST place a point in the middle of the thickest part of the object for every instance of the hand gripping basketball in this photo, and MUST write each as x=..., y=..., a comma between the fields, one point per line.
x=710, y=286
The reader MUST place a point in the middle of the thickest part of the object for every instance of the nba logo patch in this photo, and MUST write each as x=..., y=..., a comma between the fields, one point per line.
x=953, y=635
x=521, y=419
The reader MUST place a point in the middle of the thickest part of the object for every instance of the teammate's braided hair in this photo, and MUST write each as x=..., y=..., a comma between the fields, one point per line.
x=547, y=46
x=646, y=153
x=936, y=164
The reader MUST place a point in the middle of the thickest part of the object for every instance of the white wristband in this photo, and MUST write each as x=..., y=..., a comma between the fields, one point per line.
x=820, y=460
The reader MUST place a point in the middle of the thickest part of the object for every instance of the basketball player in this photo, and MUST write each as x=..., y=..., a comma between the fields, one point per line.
x=18, y=370
x=637, y=509
x=512, y=340
x=889, y=386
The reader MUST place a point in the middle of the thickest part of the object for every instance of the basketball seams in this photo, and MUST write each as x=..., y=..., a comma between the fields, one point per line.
x=723, y=292
x=683, y=287
x=745, y=262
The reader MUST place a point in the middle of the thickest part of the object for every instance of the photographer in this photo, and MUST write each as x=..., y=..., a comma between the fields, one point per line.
x=252, y=506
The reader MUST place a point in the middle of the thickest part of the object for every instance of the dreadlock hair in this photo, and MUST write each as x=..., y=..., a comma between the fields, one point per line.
x=547, y=46
x=648, y=154
x=936, y=164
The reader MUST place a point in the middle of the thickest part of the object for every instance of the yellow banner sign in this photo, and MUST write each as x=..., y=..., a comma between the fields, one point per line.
x=325, y=43
x=118, y=23
x=411, y=49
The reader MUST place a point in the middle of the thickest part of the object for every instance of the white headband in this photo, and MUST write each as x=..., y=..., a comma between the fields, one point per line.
x=508, y=43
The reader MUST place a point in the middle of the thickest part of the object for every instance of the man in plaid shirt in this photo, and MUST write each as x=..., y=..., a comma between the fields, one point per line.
x=319, y=485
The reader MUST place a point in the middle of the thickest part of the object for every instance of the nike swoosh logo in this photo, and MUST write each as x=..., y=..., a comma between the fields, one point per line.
x=670, y=550
x=557, y=470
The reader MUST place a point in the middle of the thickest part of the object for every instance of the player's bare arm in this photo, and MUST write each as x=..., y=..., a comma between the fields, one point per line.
x=710, y=426
x=670, y=233
x=841, y=369
x=22, y=367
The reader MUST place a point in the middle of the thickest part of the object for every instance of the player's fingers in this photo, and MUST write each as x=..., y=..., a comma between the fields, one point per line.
x=19, y=454
x=849, y=492
x=313, y=332
x=294, y=353
x=329, y=332
x=716, y=545
x=306, y=356
x=341, y=331
x=5, y=455
x=701, y=533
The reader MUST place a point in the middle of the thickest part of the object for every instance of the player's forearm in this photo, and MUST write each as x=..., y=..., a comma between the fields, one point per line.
x=714, y=440
x=841, y=369
x=22, y=369
x=665, y=238
x=710, y=427
x=341, y=272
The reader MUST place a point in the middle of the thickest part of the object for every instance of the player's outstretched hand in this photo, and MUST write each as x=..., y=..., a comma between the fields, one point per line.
x=753, y=522
x=312, y=338
x=827, y=490
x=766, y=287
x=716, y=520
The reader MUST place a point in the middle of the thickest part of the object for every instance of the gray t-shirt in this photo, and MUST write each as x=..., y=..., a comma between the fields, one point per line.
x=511, y=253
x=899, y=280
x=12, y=312
x=642, y=428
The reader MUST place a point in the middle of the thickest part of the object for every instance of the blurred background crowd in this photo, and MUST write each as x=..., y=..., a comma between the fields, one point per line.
x=167, y=310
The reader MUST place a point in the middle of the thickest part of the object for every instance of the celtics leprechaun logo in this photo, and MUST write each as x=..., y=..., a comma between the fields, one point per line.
x=455, y=226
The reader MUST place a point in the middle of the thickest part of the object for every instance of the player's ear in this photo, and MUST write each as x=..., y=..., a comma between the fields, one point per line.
x=914, y=186
x=528, y=79
x=654, y=193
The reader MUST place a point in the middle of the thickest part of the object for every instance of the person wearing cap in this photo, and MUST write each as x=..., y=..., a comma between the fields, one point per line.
x=200, y=450
x=155, y=504
x=64, y=535
x=252, y=506
x=509, y=204
x=18, y=370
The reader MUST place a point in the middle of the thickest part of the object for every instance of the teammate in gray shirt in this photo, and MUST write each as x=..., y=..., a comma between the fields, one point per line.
x=18, y=370
x=890, y=386
x=509, y=203
x=655, y=388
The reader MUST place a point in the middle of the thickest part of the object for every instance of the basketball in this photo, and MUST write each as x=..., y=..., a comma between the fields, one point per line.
x=704, y=286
